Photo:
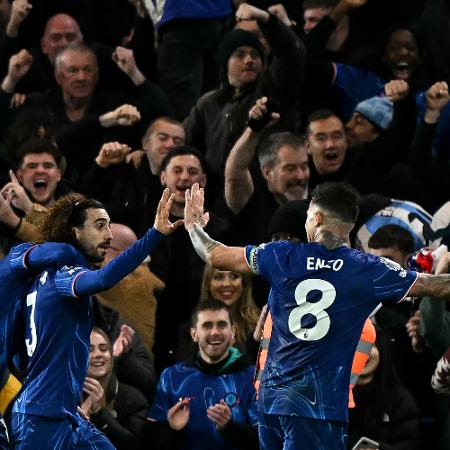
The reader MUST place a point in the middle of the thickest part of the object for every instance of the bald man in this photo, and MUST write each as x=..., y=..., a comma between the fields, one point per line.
x=60, y=31
x=133, y=297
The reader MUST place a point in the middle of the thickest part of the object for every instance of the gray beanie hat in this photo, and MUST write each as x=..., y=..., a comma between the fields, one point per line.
x=378, y=110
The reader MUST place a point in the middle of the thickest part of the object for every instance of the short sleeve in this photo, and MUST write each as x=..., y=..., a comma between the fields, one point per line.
x=256, y=258
x=391, y=282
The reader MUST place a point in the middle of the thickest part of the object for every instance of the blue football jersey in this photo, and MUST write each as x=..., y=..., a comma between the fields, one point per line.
x=185, y=380
x=58, y=327
x=14, y=282
x=319, y=300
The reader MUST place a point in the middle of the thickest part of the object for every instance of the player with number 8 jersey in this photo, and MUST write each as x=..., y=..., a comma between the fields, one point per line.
x=319, y=302
x=321, y=294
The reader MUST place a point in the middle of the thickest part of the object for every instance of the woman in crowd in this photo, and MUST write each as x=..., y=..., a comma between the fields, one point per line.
x=235, y=290
x=115, y=408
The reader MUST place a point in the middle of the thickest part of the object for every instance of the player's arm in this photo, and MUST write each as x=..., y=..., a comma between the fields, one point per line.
x=218, y=255
x=42, y=256
x=437, y=286
x=210, y=250
x=39, y=257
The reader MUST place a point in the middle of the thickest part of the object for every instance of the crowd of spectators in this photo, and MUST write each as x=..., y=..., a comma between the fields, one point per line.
x=258, y=103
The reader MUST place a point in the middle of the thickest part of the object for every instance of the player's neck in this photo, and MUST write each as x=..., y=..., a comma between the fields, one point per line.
x=330, y=238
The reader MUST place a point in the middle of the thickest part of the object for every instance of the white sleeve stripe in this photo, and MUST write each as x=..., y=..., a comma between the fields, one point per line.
x=410, y=287
x=74, y=294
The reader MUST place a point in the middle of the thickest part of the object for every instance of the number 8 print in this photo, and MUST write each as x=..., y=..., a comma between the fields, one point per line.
x=316, y=309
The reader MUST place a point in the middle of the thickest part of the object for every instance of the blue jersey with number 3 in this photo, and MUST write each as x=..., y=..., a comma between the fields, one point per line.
x=58, y=326
x=14, y=280
x=17, y=271
x=319, y=300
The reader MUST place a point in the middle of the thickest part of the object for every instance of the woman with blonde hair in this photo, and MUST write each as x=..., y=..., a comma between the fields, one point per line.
x=235, y=290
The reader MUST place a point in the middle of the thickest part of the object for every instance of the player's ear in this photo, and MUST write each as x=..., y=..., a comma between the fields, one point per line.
x=318, y=217
x=194, y=334
x=76, y=233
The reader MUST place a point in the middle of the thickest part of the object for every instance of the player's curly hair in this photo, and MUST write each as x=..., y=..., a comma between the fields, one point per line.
x=67, y=212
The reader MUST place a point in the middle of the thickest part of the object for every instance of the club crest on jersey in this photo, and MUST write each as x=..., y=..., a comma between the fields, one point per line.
x=72, y=269
x=231, y=399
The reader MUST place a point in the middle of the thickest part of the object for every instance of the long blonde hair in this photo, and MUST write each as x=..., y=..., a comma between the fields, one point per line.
x=245, y=313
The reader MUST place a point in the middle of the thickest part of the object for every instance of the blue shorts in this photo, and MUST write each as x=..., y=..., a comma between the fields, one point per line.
x=31, y=432
x=4, y=442
x=300, y=433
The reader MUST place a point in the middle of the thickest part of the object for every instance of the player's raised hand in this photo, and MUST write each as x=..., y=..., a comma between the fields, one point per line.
x=194, y=208
x=162, y=220
x=178, y=415
x=396, y=90
x=112, y=153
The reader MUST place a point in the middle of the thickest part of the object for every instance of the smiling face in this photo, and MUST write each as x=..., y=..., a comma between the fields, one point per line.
x=288, y=178
x=39, y=175
x=244, y=66
x=214, y=334
x=100, y=356
x=402, y=54
x=180, y=174
x=226, y=286
x=94, y=236
x=327, y=144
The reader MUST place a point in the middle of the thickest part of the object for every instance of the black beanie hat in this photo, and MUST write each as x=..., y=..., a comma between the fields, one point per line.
x=290, y=218
x=237, y=38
